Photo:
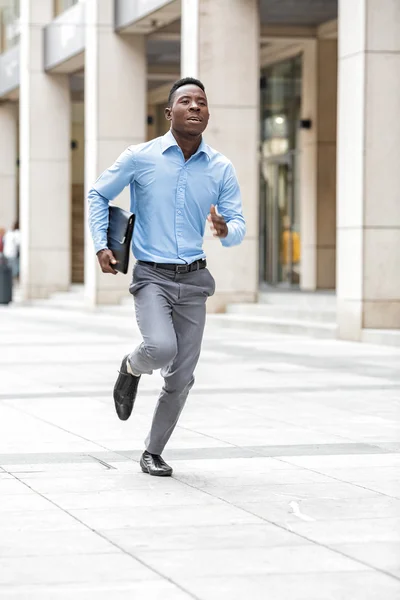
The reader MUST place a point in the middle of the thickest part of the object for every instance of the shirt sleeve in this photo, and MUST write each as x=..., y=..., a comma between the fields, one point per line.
x=230, y=207
x=107, y=187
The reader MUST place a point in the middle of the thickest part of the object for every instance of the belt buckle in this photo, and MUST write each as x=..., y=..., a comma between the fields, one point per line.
x=180, y=269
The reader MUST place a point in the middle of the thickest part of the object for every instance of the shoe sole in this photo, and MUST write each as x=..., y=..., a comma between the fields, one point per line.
x=145, y=470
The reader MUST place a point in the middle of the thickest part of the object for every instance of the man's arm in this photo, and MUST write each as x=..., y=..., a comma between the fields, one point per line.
x=107, y=187
x=229, y=225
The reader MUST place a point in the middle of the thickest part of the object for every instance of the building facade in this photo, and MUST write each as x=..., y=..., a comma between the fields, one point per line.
x=300, y=94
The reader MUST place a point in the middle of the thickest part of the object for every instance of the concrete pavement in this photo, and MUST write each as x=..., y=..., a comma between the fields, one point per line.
x=287, y=468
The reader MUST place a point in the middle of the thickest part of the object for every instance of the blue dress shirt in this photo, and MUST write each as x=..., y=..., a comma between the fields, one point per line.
x=171, y=199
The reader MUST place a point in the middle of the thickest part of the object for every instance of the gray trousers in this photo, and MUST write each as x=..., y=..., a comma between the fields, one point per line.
x=171, y=313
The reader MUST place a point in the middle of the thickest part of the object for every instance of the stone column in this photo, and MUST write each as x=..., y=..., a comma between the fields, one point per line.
x=221, y=39
x=45, y=182
x=115, y=118
x=8, y=164
x=318, y=166
x=190, y=22
x=368, y=232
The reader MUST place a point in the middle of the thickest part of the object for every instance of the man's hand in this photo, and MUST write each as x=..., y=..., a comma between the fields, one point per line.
x=217, y=223
x=106, y=259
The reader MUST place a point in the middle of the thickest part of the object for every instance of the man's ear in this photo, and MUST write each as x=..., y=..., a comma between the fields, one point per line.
x=168, y=113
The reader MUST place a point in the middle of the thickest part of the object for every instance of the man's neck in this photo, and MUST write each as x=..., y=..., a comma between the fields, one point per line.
x=188, y=145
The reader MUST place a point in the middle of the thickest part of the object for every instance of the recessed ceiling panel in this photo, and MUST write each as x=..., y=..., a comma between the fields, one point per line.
x=298, y=12
x=160, y=51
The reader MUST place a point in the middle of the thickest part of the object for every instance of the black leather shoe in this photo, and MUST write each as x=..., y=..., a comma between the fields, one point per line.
x=125, y=391
x=153, y=464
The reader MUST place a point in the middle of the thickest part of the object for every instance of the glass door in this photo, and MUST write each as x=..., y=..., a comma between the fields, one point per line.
x=280, y=242
x=279, y=182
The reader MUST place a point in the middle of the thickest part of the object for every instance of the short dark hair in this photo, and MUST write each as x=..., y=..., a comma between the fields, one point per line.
x=181, y=82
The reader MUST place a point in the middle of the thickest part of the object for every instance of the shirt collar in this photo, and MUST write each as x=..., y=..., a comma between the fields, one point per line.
x=168, y=140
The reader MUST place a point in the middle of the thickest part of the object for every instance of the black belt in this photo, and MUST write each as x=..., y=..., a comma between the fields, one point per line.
x=194, y=266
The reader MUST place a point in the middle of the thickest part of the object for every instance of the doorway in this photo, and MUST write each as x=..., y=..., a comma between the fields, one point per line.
x=279, y=182
x=280, y=242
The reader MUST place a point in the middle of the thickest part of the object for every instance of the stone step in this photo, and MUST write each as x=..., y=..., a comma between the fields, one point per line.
x=72, y=299
x=381, y=337
x=284, y=312
x=308, y=300
x=269, y=324
x=68, y=304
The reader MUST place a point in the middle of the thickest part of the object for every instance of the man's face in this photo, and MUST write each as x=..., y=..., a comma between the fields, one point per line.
x=189, y=111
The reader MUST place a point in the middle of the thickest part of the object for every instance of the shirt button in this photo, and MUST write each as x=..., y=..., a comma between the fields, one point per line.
x=181, y=189
x=179, y=212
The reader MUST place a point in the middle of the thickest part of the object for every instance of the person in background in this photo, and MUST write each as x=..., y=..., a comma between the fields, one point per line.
x=11, y=248
x=2, y=232
x=290, y=246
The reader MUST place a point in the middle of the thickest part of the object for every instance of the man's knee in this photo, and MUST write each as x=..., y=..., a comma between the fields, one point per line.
x=161, y=354
x=179, y=383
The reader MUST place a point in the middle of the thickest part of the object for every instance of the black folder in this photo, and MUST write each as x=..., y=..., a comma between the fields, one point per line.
x=119, y=236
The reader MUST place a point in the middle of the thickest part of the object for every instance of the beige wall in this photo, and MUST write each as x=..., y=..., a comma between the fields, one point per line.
x=8, y=164
x=78, y=135
x=160, y=125
x=318, y=165
x=326, y=164
x=78, y=200
x=78, y=153
x=152, y=127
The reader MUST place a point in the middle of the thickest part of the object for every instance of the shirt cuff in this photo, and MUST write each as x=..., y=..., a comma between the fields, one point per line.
x=230, y=238
x=100, y=246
